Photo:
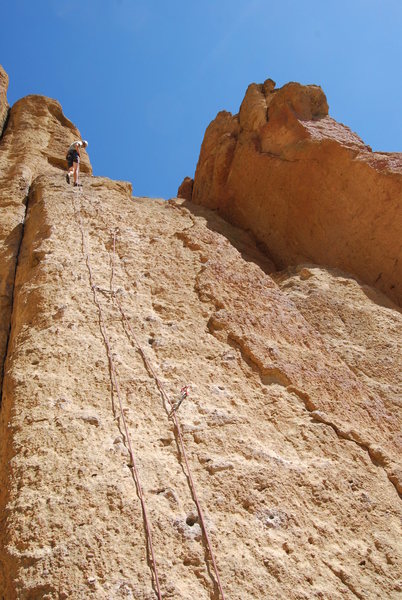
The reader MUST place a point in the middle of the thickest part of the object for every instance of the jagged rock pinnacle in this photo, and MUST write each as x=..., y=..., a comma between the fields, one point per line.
x=305, y=185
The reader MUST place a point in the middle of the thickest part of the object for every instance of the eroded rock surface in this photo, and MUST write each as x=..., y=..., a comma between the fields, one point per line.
x=35, y=141
x=292, y=425
x=293, y=499
x=305, y=185
x=3, y=98
x=185, y=190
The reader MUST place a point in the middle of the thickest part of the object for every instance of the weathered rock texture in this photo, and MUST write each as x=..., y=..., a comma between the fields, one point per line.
x=185, y=190
x=34, y=141
x=305, y=185
x=3, y=98
x=292, y=425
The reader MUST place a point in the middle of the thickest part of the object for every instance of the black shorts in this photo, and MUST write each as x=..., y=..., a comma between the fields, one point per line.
x=73, y=157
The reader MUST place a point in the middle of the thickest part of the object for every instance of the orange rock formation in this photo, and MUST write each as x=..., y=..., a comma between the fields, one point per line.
x=3, y=98
x=292, y=426
x=305, y=185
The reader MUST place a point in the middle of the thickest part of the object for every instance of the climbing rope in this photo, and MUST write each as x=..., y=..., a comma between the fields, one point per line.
x=171, y=413
x=115, y=384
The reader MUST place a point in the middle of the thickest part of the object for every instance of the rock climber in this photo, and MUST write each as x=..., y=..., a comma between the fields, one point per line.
x=73, y=160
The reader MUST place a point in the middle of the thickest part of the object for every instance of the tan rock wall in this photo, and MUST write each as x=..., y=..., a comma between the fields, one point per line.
x=185, y=190
x=35, y=141
x=292, y=426
x=279, y=431
x=3, y=98
x=305, y=185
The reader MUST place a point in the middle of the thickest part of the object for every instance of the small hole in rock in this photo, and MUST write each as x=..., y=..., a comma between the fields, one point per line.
x=191, y=520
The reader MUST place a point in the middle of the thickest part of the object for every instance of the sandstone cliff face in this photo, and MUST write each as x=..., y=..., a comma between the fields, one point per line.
x=292, y=425
x=305, y=185
x=35, y=141
x=3, y=98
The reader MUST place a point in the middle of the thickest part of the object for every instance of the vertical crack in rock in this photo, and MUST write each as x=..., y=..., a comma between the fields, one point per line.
x=16, y=265
x=6, y=120
x=5, y=442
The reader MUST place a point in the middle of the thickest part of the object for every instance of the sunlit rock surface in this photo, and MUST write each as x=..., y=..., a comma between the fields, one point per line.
x=305, y=185
x=292, y=424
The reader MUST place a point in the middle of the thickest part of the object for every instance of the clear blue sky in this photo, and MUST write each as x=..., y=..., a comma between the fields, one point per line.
x=142, y=79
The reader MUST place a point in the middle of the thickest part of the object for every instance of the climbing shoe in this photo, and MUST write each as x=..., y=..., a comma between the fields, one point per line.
x=68, y=177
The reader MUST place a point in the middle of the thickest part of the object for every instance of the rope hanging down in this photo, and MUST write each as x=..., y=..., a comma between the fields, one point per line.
x=172, y=414
x=115, y=384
